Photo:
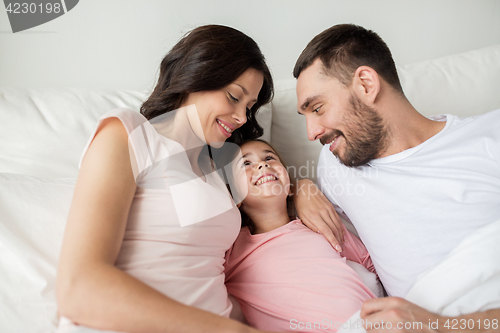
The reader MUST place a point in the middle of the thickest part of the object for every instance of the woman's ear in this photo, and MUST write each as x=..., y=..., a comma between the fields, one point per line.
x=366, y=84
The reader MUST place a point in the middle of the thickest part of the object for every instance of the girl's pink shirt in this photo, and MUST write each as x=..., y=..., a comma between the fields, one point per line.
x=292, y=275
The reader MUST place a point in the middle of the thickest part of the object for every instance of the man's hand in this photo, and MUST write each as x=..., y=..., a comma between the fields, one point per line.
x=394, y=314
x=317, y=213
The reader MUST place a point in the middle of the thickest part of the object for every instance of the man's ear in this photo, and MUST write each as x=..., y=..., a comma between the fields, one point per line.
x=366, y=84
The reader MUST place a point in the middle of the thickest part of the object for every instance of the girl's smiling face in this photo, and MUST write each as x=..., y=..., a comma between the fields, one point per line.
x=261, y=173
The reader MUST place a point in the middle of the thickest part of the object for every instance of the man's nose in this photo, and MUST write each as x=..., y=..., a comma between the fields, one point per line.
x=314, y=130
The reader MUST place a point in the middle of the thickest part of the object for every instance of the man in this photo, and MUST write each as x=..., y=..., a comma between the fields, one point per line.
x=414, y=187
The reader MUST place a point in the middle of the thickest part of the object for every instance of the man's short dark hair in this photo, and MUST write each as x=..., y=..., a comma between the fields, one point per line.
x=345, y=47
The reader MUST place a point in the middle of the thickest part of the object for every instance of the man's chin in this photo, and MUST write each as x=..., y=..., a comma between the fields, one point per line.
x=351, y=162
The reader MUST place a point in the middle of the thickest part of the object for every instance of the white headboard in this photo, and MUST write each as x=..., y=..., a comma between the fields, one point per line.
x=119, y=43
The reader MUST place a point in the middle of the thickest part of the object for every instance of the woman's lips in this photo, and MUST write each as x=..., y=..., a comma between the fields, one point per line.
x=225, y=128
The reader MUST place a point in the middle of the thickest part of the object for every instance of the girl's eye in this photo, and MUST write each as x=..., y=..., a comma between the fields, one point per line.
x=245, y=163
x=234, y=99
x=269, y=158
x=316, y=110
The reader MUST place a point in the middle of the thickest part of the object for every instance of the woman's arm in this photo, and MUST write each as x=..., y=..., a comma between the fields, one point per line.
x=91, y=291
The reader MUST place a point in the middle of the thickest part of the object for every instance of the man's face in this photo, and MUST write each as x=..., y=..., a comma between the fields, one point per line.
x=336, y=116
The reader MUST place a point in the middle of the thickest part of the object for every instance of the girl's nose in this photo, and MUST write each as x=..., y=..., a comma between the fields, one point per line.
x=262, y=165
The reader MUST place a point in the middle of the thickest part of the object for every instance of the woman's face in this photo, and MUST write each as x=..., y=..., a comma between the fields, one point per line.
x=222, y=111
x=261, y=173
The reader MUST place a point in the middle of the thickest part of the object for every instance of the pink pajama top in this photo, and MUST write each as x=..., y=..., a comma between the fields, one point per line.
x=292, y=275
x=179, y=226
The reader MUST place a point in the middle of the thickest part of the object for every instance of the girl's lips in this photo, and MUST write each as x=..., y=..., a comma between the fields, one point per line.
x=267, y=175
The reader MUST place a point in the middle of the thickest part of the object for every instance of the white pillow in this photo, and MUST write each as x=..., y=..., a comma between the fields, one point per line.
x=464, y=84
x=33, y=214
x=43, y=131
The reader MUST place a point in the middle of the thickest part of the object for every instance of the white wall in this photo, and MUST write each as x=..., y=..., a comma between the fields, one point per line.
x=119, y=43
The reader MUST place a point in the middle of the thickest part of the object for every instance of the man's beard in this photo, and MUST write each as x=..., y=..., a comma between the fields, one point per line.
x=365, y=138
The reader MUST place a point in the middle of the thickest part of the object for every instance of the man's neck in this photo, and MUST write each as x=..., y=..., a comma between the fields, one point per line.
x=407, y=128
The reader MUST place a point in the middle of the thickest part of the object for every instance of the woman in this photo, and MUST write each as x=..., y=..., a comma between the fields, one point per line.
x=144, y=244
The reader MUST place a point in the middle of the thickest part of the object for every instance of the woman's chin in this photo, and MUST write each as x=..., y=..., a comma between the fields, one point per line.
x=216, y=144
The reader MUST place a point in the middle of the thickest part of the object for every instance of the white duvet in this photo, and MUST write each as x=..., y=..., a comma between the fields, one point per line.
x=466, y=281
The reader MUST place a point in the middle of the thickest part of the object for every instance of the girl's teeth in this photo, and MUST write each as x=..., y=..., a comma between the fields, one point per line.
x=265, y=179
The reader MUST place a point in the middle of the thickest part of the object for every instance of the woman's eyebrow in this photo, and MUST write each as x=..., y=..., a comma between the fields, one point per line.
x=244, y=91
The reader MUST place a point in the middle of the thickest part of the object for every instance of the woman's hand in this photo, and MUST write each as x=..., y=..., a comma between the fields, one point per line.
x=317, y=213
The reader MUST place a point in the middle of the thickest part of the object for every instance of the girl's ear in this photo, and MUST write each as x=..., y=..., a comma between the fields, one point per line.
x=239, y=205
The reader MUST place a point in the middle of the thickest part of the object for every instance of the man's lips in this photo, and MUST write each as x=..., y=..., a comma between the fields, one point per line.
x=333, y=143
x=331, y=139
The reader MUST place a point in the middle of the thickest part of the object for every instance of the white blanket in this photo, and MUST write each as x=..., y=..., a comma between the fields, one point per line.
x=466, y=281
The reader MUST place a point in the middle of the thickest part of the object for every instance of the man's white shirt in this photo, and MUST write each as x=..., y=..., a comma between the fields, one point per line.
x=412, y=208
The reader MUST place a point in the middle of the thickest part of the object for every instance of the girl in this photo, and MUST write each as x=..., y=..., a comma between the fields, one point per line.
x=136, y=256
x=285, y=276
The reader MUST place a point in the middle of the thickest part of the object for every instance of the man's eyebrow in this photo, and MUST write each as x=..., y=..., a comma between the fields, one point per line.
x=308, y=101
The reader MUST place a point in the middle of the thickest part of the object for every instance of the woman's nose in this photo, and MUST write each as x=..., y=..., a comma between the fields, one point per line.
x=240, y=116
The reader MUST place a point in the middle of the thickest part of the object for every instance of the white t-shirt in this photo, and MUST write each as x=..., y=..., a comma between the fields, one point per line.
x=412, y=208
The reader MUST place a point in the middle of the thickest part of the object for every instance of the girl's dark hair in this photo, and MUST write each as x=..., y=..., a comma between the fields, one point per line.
x=209, y=58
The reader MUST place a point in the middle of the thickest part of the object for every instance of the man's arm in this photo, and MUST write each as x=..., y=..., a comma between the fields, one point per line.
x=317, y=213
x=397, y=315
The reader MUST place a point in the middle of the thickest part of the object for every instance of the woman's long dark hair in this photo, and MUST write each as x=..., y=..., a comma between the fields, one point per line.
x=209, y=58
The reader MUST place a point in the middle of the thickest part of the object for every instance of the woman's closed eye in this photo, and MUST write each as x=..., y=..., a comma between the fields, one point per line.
x=231, y=97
